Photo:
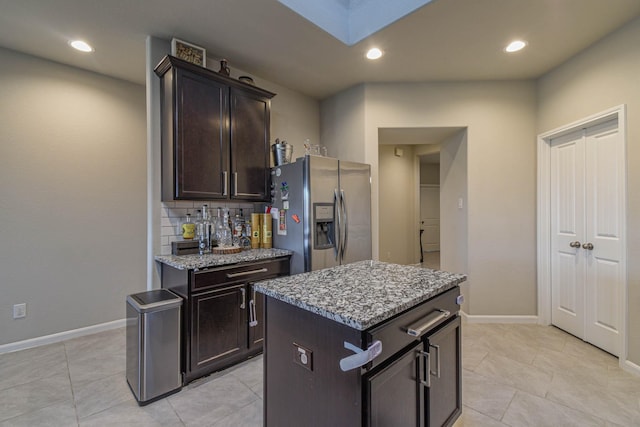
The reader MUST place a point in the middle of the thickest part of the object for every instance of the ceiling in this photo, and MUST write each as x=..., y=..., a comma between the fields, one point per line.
x=445, y=40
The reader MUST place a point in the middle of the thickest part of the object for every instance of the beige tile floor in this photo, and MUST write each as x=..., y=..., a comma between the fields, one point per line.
x=431, y=260
x=514, y=375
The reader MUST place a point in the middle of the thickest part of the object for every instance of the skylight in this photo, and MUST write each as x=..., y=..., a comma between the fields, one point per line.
x=353, y=20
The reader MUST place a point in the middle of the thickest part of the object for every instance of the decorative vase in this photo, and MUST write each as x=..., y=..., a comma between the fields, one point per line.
x=224, y=68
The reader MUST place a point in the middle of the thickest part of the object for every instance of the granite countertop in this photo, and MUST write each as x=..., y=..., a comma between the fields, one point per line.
x=196, y=262
x=361, y=294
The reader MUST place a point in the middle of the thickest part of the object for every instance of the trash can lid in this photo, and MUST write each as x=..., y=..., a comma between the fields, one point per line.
x=160, y=299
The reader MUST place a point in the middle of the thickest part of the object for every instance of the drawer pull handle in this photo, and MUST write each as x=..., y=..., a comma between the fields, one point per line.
x=437, y=349
x=224, y=178
x=244, y=298
x=419, y=328
x=235, y=183
x=423, y=369
x=246, y=273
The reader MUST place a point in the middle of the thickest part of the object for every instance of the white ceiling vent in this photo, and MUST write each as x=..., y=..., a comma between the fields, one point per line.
x=353, y=20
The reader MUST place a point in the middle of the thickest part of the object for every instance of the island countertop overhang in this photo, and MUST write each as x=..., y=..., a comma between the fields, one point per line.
x=362, y=294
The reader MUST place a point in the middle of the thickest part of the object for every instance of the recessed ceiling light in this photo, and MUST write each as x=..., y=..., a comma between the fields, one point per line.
x=374, y=53
x=515, y=46
x=81, y=46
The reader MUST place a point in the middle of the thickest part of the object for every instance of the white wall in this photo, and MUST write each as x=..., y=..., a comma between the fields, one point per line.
x=398, y=222
x=74, y=167
x=454, y=221
x=500, y=117
x=605, y=75
x=342, y=124
x=73, y=225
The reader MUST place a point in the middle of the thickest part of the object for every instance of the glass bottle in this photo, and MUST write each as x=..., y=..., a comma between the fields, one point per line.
x=223, y=233
x=188, y=228
x=238, y=227
x=203, y=230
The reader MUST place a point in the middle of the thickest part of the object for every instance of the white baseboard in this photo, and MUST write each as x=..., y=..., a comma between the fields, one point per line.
x=62, y=336
x=630, y=367
x=474, y=318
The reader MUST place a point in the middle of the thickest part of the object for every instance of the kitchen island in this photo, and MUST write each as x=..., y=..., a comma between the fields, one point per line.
x=362, y=344
x=222, y=314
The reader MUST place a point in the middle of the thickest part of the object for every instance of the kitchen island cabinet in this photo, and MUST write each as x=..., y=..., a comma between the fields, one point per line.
x=363, y=344
x=222, y=318
x=215, y=135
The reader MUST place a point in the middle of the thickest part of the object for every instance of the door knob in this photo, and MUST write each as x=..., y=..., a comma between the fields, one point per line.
x=588, y=246
x=575, y=244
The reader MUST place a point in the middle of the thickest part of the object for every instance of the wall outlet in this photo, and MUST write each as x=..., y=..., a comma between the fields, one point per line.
x=19, y=311
x=303, y=357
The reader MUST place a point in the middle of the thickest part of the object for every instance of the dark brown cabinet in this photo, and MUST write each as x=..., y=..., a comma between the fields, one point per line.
x=425, y=382
x=215, y=135
x=223, y=319
x=443, y=397
x=395, y=399
x=218, y=324
x=415, y=380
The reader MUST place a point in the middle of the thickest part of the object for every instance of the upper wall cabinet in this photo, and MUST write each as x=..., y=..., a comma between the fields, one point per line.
x=215, y=135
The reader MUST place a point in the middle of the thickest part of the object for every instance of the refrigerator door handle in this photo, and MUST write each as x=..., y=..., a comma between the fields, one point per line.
x=336, y=226
x=345, y=224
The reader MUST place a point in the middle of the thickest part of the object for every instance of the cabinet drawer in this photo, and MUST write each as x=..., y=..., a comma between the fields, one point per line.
x=393, y=333
x=244, y=273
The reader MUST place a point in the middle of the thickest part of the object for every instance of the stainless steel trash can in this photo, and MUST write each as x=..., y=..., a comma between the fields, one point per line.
x=153, y=344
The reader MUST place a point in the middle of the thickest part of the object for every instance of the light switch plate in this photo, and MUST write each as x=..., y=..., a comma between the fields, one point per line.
x=19, y=311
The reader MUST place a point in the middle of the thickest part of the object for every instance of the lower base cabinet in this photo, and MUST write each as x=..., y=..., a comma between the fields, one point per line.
x=223, y=317
x=392, y=395
x=423, y=387
x=218, y=324
x=443, y=396
x=414, y=381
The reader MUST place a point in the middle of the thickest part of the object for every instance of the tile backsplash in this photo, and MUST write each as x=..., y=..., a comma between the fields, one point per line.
x=174, y=213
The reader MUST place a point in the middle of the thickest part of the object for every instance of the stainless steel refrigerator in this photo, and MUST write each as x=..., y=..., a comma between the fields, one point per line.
x=324, y=212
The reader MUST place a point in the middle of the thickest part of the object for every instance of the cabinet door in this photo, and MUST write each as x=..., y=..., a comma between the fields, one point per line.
x=249, y=118
x=256, y=319
x=394, y=395
x=218, y=325
x=443, y=400
x=200, y=137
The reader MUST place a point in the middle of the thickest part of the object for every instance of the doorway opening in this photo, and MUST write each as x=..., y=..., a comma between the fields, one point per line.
x=419, y=168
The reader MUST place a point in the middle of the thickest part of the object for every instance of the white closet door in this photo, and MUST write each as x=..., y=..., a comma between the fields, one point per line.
x=567, y=229
x=587, y=211
x=605, y=216
x=430, y=218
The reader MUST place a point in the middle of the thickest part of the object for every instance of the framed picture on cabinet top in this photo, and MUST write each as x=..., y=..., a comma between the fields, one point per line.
x=189, y=52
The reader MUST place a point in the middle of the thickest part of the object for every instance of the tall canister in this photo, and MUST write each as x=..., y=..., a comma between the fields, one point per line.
x=256, y=230
x=153, y=344
x=267, y=231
